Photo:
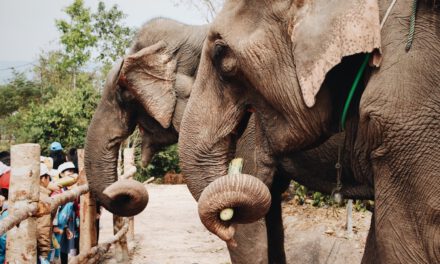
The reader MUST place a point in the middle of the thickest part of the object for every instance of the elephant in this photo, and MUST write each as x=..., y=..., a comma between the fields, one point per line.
x=149, y=88
x=292, y=64
x=139, y=90
x=127, y=102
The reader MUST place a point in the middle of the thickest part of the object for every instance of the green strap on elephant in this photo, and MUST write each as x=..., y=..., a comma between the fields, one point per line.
x=352, y=90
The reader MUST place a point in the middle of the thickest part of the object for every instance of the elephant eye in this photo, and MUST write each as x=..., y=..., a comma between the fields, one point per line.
x=124, y=96
x=219, y=50
x=224, y=59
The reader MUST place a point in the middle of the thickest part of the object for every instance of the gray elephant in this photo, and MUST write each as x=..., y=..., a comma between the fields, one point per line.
x=293, y=63
x=163, y=60
x=149, y=88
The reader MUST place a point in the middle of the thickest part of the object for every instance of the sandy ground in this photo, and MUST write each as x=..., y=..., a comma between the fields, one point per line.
x=169, y=231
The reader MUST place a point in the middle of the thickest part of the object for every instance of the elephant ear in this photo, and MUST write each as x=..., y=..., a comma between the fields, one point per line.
x=150, y=75
x=324, y=31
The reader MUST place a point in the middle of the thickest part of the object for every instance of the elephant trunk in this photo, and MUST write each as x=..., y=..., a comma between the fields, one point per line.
x=230, y=200
x=124, y=198
x=199, y=167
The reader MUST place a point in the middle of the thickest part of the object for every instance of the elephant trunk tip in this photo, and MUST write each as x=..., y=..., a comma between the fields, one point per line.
x=125, y=198
x=230, y=200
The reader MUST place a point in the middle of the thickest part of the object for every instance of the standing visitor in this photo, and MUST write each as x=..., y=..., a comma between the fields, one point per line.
x=67, y=221
x=44, y=222
x=57, y=154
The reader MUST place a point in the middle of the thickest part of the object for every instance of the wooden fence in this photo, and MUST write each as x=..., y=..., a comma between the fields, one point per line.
x=25, y=206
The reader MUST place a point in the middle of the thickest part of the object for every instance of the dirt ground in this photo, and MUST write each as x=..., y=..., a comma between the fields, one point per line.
x=169, y=231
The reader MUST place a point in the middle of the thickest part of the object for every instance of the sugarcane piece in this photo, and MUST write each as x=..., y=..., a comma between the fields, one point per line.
x=235, y=167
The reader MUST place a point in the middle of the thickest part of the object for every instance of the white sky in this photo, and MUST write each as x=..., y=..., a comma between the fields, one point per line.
x=28, y=26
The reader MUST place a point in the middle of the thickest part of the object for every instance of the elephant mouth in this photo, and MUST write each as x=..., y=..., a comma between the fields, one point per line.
x=147, y=150
x=239, y=129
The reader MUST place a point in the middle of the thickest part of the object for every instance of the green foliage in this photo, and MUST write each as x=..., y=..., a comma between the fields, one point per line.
x=64, y=118
x=18, y=92
x=302, y=195
x=77, y=38
x=163, y=162
x=44, y=108
x=51, y=73
x=363, y=205
x=113, y=36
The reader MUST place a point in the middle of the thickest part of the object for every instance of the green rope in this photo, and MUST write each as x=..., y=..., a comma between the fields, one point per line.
x=352, y=90
x=412, y=25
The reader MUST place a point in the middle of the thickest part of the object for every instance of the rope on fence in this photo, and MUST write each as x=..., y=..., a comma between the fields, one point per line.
x=97, y=252
x=43, y=207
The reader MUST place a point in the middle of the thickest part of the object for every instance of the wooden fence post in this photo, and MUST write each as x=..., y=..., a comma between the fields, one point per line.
x=121, y=247
x=21, y=246
x=129, y=162
x=88, y=232
x=350, y=218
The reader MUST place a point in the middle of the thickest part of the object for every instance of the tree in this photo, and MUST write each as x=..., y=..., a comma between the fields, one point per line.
x=113, y=36
x=17, y=93
x=63, y=118
x=77, y=37
x=51, y=74
x=44, y=108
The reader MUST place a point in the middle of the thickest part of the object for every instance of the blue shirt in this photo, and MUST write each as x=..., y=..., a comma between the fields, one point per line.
x=3, y=240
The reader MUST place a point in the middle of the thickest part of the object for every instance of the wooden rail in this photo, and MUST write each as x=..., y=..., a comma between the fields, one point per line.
x=25, y=206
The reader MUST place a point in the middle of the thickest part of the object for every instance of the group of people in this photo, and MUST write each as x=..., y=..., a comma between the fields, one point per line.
x=57, y=233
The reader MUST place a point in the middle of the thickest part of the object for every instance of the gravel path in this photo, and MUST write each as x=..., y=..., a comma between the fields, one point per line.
x=169, y=231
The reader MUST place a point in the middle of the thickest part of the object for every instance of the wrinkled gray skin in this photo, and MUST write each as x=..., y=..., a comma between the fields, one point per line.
x=257, y=56
x=120, y=111
x=155, y=78
x=314, y=168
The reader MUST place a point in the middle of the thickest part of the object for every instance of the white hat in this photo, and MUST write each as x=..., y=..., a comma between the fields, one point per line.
x=4, y=168
x=53, y=173
x=43, y=170
x=66, y=166
x=48, y=161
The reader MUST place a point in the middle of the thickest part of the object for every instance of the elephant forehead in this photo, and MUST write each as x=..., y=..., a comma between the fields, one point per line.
x=237, y=20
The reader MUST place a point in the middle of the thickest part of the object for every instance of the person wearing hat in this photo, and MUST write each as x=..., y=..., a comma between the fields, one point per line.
x=53, y=186
x=57, y=154
x=44, y=222
x=68, y=215
x=67, y=175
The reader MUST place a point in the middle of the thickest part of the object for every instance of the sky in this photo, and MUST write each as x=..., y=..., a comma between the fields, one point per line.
x=28, y=26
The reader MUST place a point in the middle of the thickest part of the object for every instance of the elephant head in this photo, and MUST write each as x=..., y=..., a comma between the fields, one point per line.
x=280, y=60
x=149, y=88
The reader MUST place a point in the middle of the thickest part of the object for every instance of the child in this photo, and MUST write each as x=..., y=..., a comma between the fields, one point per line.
x=44, y=222
x=67, y=224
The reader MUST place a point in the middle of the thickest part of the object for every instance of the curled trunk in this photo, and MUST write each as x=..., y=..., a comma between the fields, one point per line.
x=125, y=197
x=109, y=127
x=248, y=197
